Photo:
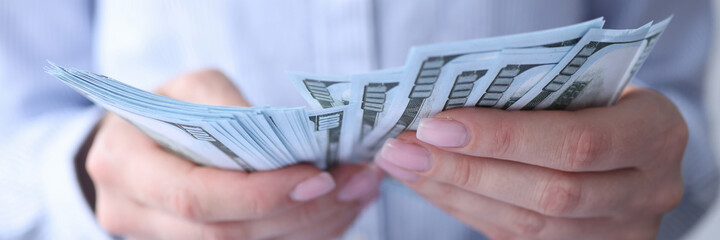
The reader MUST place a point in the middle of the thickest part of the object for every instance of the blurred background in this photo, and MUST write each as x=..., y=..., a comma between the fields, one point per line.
x=712, y=92
x=710, y=228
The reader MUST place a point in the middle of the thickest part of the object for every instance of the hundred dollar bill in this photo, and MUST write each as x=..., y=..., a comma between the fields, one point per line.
x=224, y=119
x=515, y=73
x=195, y=140
x=373, y=92
x=328, y=128
x=594, y=70
x=653, y=35
x=426, y=63
x=262, y=133
x=296, y=135
x=458, y=79
x=323, y=91
x=244, y=138
x=261, y=145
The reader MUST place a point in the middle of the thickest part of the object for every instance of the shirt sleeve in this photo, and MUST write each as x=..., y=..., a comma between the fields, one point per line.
x=676, y=68
x=42, y=121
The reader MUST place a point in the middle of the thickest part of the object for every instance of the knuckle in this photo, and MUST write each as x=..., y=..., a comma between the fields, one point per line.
x=681, y=133
x=433, y=191
x=681, y=125
x=583, y=145
x=308, y=214
x=112, y=222
x=445, y=191
x=669, y=198
x=260, y=205
x=528, y=223
x=466, y=173
x=503, y=134
x=561, y=195
x=97, y=167
x=184, y=202
x=438, y=193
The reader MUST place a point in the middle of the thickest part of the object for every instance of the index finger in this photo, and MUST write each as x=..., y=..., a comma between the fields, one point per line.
x=594, y=139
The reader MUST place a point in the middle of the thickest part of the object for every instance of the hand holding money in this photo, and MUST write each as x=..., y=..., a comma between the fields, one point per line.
x=574, y=174
x=567, y=68
x=143, y=191
x=600, y=173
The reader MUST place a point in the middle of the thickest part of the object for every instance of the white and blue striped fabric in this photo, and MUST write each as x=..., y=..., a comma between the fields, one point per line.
x=147, y=42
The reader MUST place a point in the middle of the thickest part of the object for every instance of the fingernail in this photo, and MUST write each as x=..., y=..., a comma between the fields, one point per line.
x=396, y=171
x=362, y=184
x=406, y=155
x=442, y=132
x=313, y=187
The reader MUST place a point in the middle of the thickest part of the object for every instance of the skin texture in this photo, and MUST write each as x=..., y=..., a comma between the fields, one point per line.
x=599, y=173
x=144, y=192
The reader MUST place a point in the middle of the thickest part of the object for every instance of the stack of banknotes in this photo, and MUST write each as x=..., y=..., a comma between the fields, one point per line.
x=566, y=68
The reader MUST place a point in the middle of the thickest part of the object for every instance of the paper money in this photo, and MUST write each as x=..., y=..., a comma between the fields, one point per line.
x=516, y=71
x=373, y=93
x=602, y=57
x=565, y=68
x=323, y=91
x=426, y=63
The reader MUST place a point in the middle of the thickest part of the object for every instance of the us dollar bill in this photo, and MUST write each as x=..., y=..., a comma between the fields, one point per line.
x=298, y=136
x=568, y=68
x=373, y=92
x=600, y=62
x=426, y=63
x=459, y=78
x=323, y=91
x=195, y=140
x=652, y=37
x=328, y=126
x=515, y=72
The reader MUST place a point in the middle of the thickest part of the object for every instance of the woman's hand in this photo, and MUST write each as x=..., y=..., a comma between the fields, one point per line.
x=145, y=192
x=599, y=173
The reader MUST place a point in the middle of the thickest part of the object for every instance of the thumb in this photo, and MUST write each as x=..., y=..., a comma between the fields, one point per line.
x=208, y=86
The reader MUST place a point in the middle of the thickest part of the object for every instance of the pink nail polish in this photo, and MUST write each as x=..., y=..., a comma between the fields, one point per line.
x=443, y=132
x=396, y=171
x=313, y=187
x=361, y=185
x=406, y=155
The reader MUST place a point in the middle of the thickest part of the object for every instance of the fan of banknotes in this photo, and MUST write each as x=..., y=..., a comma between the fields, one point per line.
x=566, y=68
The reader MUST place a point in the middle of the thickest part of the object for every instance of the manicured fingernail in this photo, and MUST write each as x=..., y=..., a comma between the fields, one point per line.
x=442, y=132
x=361, y=185
x=313, y=187
x=406, y=155
x=396, y=171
